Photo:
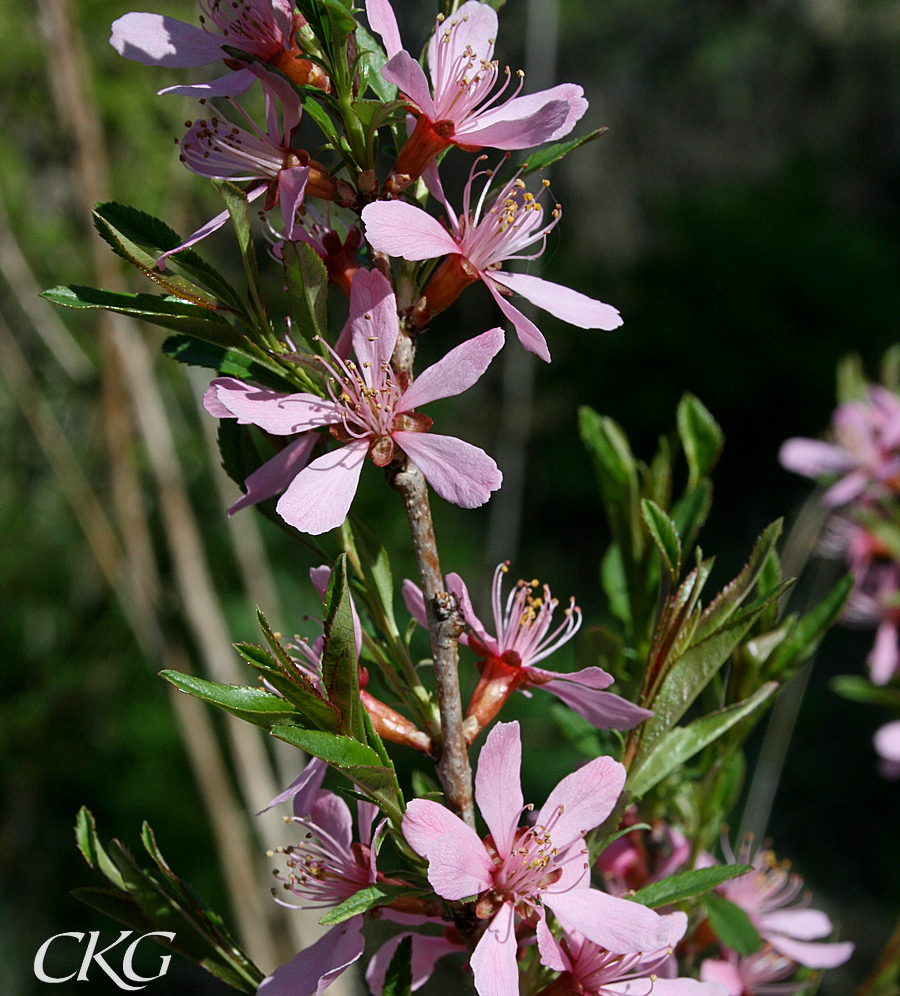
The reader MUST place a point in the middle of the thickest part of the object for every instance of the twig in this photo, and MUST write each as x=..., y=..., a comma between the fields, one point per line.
x=445, y=626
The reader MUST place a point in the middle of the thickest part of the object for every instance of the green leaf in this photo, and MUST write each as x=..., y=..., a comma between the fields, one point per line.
x=398, y=978
x=227, y=361
x=615, y=584
x=239, y=211
x=859, y=689
x=361, y=764
x=379, y=894
x=701, y=438
x=577, y=732
x=686, y=885
x=128, y=228
x=340, y=668
x=691, y=511
x=691, y=673
x=682, y=743
x=170, y=312
x=370, y=60
x=377, y=577
x=664, y=534
x=731, y=925
x=307, y=283
x=852, y=383
x=542, y=158
x=92, y=850
x=801, y=642
x=729, y=599
x=118, y=906
x=254, y=705
x=613, y=460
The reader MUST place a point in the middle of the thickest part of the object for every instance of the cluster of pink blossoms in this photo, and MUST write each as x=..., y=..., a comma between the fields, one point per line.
x=861, y=464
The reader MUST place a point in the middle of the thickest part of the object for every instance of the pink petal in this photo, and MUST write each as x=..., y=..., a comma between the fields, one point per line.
x=232, y=84
x=276, y=474
x=384, y=23
x=458, y=472
x=515, y=125
x=572, y=307
x=552, y=954
x=604, y=710
x=667, y=987
x=456, y=586
x=291, y=188
x=475, y=28
x=426, y=950
x=494, y=958
x=887, y=741
x=813, y=458
x=426, y=821
x=811, y=954
x=280, y=414
x=802, y=924
x=415, y=601
x=303, y=789
x=617, y=924
x=498, y=789
x=155, y=40
x=885, y=654
x=407, y=75
x=401, y=229
x=529, y=334
x=213, y=225
x=459, y=866
x=320, y=496
x=311, y=971
x=585, y=798
x=212, y=404
x=373, y=321
x=454, y=373
x=332, y=814
x=847, y=488
x=725, y=974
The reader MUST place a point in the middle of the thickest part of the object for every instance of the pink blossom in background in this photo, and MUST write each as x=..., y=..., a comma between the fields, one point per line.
x=887, y=744
x=261, y=28
x=524, y=635
x=525, y=871
x=476, y=244
x=875, y=601
x=466, y=108
x=643, y=856
x=598, y=972
x=371, y=411
x=771, y=897
x=763, y=973
x=865, y=454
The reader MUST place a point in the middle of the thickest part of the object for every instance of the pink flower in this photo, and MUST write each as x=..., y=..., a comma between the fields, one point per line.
x=865, y=454
x=887, y=744
x=371, y=410
x=767, y=895
x=526, y=870
x=263, y=28
x=760, y=974
x=464, y=109
x=875, y=601
x=326, y=868
x=643, y=856
x=525, y=635
x=476, y=244
x=598, y=972
x=427, y=950
x=215, y=147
